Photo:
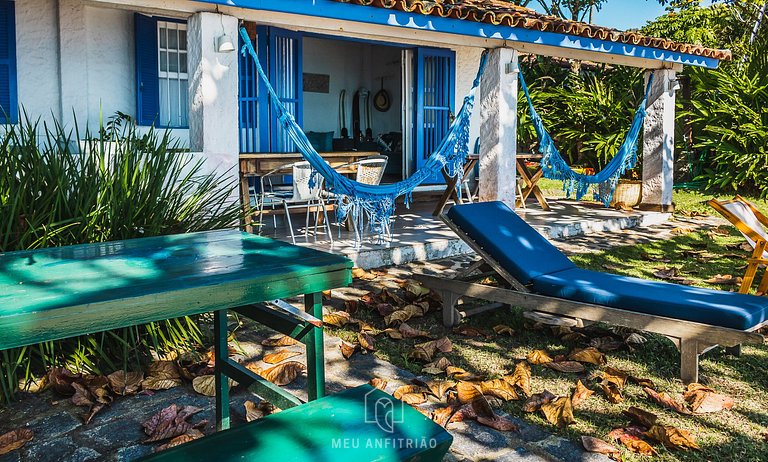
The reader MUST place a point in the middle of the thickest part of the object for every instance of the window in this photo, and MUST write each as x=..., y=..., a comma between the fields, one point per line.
x=162, y=79
x=172, y=72
x=9, y=110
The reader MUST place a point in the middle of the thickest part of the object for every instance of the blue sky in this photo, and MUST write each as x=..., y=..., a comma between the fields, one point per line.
x=626, y=14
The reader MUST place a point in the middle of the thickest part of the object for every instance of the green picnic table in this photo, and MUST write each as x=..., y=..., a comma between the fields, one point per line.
x=60, y=292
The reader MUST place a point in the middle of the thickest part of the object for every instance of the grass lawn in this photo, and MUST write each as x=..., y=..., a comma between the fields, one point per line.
x=730, y=435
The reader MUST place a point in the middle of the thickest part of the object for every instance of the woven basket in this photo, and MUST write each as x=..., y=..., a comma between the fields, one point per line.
x=630, y=192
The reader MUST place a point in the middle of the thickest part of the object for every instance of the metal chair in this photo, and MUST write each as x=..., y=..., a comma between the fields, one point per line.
x=303, y=195
x=370, y=170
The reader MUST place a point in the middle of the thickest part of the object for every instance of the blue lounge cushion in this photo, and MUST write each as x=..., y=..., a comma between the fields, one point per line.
x=706, y=306
x=518, y=248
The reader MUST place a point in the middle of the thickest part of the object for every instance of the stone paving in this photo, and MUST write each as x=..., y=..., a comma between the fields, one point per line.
x=116, y=433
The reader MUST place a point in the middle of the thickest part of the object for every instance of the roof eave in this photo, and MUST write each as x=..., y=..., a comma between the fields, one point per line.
x=524, y=39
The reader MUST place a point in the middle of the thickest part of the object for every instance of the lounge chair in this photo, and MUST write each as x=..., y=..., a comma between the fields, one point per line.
x=540, y=278
x=751, y=223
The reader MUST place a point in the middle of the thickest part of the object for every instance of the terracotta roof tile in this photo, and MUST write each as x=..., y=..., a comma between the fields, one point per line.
x=503, y=13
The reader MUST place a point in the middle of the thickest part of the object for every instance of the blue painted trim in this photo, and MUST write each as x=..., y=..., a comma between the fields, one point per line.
x=370, y=15
x=12, y=110
x=440, y=81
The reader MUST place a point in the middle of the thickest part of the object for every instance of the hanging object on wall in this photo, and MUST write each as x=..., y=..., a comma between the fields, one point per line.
x=368, y=120
x=381, y=100
x=316, y=83
x=343, y=114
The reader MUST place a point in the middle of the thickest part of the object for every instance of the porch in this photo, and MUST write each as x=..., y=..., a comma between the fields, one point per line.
x=417, y=235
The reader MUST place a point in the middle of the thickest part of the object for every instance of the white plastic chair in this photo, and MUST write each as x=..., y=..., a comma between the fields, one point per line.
x=302, y=196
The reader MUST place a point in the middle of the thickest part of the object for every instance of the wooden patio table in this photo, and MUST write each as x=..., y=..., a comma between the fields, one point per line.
x=530, y=180
x=61, y=292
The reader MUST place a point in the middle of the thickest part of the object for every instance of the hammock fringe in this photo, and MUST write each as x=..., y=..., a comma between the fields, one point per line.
x=377, y=202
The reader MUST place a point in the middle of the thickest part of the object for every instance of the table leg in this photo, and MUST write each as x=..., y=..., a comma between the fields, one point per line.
x=313, y=304
x=450, y=187
x=221, y=352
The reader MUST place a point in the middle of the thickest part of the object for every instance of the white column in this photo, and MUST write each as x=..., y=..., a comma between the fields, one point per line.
x=213, y=90
x=73, y=62
x=498, y=127
x=659, y=142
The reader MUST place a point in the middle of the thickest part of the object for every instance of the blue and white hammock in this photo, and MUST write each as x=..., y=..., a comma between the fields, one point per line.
x=555, y=167
x=377, y=202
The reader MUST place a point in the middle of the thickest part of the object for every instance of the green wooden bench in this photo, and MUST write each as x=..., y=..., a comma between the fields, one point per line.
x=61, y=292
x=353, y=425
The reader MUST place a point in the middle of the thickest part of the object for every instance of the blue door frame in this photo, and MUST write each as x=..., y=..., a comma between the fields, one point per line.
x=435, y=88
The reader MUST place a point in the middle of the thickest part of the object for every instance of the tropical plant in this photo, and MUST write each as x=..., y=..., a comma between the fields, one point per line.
x=728, y=110
x=119, y=184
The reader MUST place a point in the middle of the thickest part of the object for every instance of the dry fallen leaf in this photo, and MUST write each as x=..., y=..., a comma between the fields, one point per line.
x=580, y=394
x=705, y=400
x=125, y=383
x=279, y=356
x=410, y=394
x=255, y=411
x=439, y=388
x=379, y=383
x=724, y=279
x=498, y=423
x=425, y=351
x=407, y=331
x=366, y=341
x=443, y=415
x=359, y=273
x=459, y=373
x=191, y=435
x=589, y=355
x=599, y=446
x=667, y=401
x=466, y=392
x=15, y=439
x=672, y=437
x=559, y=411
x=469, y=331
x=614, y=376
x=641, y=417
x=348, y=349
x=279, y=340
x=61, y=380
x=337, y=319
x=284, y=373
x=205, y=385
x=171, y=422
x=606, y=343
x=538, y=357
x=535, y=402
x=499, y=388
x=632, y=442
x=520, y=378
x=397, y=317
x=503, y=329
x=414, y=290
x=437, y=367
x=162, y=375
x=572, y=367
x=612, y=392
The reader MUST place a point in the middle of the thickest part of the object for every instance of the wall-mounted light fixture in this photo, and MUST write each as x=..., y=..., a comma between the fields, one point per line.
x=673, y=85
x=225, y=44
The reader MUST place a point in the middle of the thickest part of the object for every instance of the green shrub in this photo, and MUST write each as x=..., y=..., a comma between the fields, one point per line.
x=119, y=184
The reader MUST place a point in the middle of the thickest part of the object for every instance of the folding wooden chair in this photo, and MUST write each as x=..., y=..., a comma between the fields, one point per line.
x=752, y=225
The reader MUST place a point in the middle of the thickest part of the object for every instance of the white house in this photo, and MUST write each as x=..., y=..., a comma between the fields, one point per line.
x=174, y=63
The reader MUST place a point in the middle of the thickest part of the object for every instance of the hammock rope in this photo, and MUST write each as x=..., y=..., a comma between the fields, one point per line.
x=554, y=167
x=377, y=202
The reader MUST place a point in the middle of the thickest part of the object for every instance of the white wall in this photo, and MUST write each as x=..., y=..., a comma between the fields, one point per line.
x=351, y=66
x=467, y=62
x=37, y=58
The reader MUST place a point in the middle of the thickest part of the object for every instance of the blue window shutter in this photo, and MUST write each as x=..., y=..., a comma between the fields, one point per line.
x=285, y=75
x=9, y=110
x=435, y=88
x=147, y=80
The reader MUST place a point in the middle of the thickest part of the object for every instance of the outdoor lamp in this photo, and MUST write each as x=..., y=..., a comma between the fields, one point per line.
x=224, y=44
